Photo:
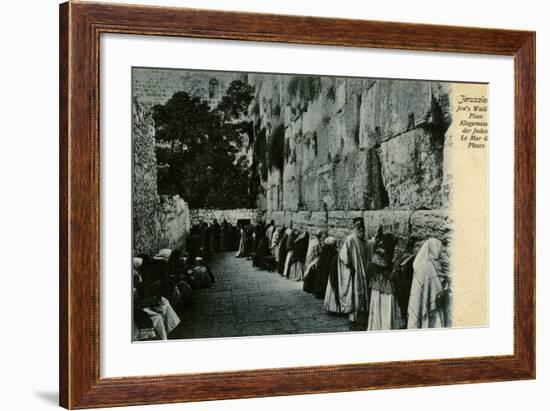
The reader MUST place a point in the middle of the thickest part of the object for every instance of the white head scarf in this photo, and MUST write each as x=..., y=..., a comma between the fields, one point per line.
x=137, y=262
x=428, y=253
x=330, y=240
x=163, y=254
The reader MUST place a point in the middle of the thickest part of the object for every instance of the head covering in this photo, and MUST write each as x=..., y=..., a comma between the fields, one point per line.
x=321, y=233
x=429, y=252
x=358, y=222
x=137, y=262
x=163, y=254
x=330, y=240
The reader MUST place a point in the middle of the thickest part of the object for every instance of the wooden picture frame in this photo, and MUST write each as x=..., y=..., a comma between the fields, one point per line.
x=80, y=27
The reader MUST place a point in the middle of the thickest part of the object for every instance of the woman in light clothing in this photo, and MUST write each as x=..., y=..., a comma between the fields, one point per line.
x=424, y=310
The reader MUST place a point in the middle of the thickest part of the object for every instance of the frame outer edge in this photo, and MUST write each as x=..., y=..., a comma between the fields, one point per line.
x=64, y=103
x=525, y=180
x=80, y=385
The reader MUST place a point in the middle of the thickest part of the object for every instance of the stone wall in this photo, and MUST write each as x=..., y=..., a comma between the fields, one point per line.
x=353, y=147
x=144, y=182
x=157, y=86
x=158, y=221
x=231, y=216
x=173, y=222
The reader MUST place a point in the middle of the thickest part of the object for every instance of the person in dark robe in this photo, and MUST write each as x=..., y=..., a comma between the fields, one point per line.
x=298, y=258
x=199, y=274
x=402, y=279
x=333, y=285
x=262, y=250
x=327, y=261
x=312, y=257
x=205, y=236
x=269, y=232
x=215, y=236
x=248, y=240
x=292, y=234
x=258, y=235
x=233, y=237
x=193, y=242
x=224, y=236
x=166, y=285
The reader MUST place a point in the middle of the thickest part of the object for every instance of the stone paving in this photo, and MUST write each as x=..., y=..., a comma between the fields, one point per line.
x=248, y=301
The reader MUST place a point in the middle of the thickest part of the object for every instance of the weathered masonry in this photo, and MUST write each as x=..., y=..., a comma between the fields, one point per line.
x=329, y=149
x=159, y=221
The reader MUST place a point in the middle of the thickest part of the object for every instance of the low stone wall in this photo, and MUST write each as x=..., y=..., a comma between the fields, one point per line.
x=173, y=222
x=231, y=216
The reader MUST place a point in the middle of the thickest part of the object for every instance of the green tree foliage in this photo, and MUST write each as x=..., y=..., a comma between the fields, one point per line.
x=199, y=150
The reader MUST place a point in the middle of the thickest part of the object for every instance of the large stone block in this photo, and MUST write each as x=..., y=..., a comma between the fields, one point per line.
x=391, y=105
x=433, y=223
x=412, y=170
x=173, y=222
x=343, y=219
x=396, y=222
x=231, y=215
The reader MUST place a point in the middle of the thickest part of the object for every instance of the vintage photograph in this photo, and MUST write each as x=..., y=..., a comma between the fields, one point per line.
x=284, y=204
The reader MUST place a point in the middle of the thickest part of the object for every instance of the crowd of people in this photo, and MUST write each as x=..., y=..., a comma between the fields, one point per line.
x=163, y=287
x=362, y=277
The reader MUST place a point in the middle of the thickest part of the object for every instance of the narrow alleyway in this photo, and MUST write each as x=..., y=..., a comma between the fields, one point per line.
x=248, y=301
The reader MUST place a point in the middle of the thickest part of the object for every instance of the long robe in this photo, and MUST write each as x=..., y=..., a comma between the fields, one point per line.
x=323, y=268
x=402, y=282
x=312, y=257
x=275, y=242
x=215, y=237
x=283, y=251
x=353, y=259
x=224, y=237
x=205, y=237
x=424, y=310
x=332, y=292
x=296, y=263
x=313, y=253
x=269, y=234
x=291, y=236
x=384, y=311
x=241, y=252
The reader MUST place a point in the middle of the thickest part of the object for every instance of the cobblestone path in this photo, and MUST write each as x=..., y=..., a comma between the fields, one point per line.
x=247, y=301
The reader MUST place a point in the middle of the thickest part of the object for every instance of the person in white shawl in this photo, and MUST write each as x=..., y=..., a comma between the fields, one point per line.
x=424, y=310
x=275, y=239
x=352, y=295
